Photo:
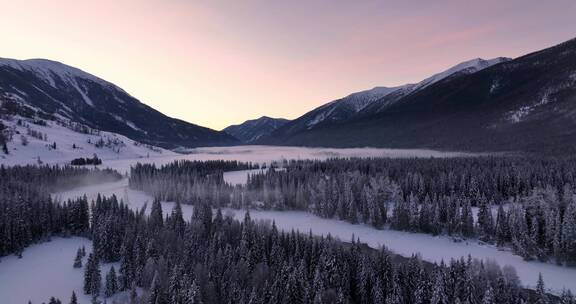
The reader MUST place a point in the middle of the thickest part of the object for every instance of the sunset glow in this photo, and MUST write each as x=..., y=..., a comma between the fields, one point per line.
x=216, y=63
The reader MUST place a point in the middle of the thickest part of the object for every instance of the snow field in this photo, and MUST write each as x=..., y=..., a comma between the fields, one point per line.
x=45, y=270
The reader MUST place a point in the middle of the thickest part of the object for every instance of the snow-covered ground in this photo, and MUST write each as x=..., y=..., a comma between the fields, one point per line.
x=239, y=177
x=121, y=152
x=45, y=270
x=430, y=248
x=70, y=145
x=268, y=154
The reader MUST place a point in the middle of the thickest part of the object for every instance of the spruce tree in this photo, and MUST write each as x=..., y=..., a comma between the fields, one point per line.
x=566, y=297
x=542, y=298
x=155, y=296
x=111, y=283
x=156, y=216
x=439, y=295
x=73, y=299
x=488, y=297
x=92, y=277
x=78, y=259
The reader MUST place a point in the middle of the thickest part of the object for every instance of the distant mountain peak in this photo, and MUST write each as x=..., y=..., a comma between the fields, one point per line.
x=253, y=129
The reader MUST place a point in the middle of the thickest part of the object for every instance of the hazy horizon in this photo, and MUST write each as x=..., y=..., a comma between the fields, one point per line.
x=220, y=63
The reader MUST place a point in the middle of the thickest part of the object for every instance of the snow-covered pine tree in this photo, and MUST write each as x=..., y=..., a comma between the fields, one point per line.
x=78, y=259
x=111, y=283
x=542, y=297
x=92, y=277
x=73, y=299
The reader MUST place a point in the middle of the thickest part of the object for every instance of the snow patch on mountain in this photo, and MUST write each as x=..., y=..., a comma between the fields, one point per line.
x=320, y=117
x=360, y=100
x=520, y=114
x=468, y=67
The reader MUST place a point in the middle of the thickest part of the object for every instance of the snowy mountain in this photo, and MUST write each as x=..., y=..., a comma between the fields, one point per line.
x=375, y=100
x=524, y=104
x=251, y=130
x=54, y=91
x=466, y=67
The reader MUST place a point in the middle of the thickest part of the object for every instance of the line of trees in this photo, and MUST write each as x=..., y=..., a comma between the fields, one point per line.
x=27, y=212
x=185, y=181
x=526, y=204
x=81, y=161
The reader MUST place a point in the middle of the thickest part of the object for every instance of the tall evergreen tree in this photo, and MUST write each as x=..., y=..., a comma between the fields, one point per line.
x=111, y=283
x=73, y=299
x=78, y=259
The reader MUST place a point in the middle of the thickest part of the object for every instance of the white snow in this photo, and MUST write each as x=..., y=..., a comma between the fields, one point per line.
x=268, y=154
x=494, y=86
x=45, y=271
x=518, y=115
x=320, y=117
x=239, y=177
x=85, y=97
x=360, y=100
x=131, y=154
x=123, y=147
x=431, y=248
x=133, y=126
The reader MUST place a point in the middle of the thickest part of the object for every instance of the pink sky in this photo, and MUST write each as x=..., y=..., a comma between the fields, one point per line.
x=216, y=63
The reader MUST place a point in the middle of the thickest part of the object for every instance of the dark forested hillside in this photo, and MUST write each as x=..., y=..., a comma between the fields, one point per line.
x=525, y=104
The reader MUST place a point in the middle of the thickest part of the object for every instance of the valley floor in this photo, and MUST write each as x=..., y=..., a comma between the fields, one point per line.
x=431, y=248
x=46, y=268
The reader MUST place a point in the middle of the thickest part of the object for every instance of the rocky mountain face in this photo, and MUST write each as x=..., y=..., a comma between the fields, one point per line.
x=525, y=104
x=56, y=91
x=252, y=130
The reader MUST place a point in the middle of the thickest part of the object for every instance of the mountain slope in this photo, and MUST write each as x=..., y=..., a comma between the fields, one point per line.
x=526, y=104
x=39, y=141
x=251, y=130
x=368, y=102
x=61, y=91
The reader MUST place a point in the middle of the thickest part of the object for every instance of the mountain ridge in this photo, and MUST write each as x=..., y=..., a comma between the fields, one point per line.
x=367, y=102
x=526, y=104
x=61, y=91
